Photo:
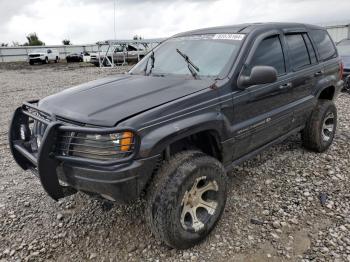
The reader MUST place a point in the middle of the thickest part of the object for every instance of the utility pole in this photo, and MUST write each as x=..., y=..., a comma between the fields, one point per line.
x=115, y=25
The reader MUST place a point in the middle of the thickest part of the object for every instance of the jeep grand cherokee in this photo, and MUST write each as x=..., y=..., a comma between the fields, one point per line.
x=173, y=127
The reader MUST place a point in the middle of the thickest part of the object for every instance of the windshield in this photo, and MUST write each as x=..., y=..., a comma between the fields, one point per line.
x=210, y=53
x=344, y=48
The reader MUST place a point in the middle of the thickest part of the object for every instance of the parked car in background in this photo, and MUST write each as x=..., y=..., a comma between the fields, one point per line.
x=344, y=52
x=75, y=57
x=43, y=56
x=123, y=54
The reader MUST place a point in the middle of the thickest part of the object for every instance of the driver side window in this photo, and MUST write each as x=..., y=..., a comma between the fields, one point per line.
x=269, y=53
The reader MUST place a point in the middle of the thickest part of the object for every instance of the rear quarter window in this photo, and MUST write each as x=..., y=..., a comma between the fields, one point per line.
x=324, y=45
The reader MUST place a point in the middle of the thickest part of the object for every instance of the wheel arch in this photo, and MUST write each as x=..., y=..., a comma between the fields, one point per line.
x=208, y=141
x=326, y=93
x=202, y=132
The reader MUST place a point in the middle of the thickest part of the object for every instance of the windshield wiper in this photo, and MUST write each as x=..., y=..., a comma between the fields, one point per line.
x=191, y=66
x=152, y=65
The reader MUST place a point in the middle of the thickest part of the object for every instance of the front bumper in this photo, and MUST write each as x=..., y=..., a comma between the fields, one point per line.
x=122, y=180
x=36, y=59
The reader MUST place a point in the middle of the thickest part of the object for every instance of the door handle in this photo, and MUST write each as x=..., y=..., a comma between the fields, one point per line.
x=319, y=73
x=285, y=86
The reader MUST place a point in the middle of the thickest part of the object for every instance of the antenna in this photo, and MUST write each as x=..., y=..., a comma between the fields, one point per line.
x=115, y=21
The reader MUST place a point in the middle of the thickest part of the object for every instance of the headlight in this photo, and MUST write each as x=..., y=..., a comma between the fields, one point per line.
x=100, y=147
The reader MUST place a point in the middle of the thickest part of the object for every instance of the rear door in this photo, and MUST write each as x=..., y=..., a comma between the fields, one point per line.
x=261, y=112
x=304, y=71
x=327, y=56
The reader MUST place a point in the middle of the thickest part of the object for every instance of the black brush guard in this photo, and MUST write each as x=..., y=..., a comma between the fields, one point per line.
x=44, y=162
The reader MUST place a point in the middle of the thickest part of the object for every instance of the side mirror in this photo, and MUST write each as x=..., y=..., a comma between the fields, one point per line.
x=259, y=75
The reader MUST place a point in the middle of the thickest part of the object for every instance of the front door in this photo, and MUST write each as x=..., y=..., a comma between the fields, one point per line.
x=261, y=111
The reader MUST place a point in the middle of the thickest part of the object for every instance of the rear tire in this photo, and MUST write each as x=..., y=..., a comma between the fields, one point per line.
x=320, y=128
x=347, y=84
x=186, y=199
x=57, y=59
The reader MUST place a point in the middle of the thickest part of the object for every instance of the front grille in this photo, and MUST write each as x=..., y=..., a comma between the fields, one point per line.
x=37, y=124
x=79, y=144
x=34, y=55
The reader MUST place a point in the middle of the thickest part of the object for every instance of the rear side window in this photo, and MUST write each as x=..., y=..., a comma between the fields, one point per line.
x=311, y=49
x=324, y=44
x=269, y=53
x=298, y=52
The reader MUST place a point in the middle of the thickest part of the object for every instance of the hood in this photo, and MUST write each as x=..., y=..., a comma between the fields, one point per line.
x=106, y=101
x=346, y=61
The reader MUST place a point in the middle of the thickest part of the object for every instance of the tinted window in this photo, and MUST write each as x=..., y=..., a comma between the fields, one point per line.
x=131, y=48
x=310, y=48
x=323, y=43
x=269, y=53
x=298, y=53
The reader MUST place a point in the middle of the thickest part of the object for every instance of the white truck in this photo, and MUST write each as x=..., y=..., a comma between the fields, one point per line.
x=43, y=56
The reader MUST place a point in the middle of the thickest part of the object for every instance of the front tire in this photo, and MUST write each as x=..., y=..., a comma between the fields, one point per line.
x=46, y=61
x=320, y=128
x=186, y=199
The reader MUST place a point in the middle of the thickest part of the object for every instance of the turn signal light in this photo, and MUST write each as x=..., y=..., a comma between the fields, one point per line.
x=126, y=141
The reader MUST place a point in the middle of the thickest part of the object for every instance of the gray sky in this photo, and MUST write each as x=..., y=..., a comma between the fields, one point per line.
x=88, y=21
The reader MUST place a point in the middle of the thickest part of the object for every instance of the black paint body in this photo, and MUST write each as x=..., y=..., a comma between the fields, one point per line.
x=163, y=110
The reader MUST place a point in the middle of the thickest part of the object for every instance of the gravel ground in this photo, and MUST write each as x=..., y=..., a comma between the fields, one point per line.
x=287, y=204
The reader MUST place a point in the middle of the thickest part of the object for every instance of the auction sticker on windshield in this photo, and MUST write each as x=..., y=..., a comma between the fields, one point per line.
x=236, y=37
x=232, y=37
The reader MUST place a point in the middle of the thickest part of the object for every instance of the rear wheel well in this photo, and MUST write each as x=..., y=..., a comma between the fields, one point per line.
x=327, y=93
x=206, y=141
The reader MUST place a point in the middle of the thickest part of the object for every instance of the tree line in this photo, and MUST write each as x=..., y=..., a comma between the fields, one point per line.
x=33, y=40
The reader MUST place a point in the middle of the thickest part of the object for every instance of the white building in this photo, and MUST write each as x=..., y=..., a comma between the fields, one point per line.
x=339, y=32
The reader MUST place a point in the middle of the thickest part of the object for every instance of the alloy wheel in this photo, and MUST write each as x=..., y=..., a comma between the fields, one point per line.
x=199, y=204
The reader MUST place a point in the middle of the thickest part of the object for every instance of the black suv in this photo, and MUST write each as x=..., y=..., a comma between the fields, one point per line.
x=171, y=128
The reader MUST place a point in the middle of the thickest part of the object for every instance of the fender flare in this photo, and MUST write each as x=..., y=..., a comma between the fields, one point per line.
x=156, y=141
x=324, y=88
x=327, y=82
